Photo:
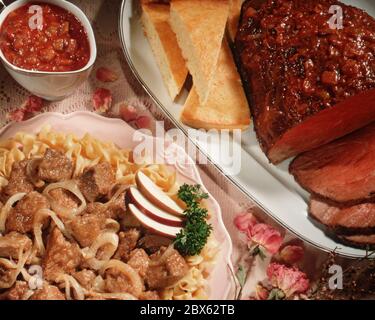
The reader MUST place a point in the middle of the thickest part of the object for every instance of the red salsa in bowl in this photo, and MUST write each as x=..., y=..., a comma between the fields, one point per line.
x=60, y=45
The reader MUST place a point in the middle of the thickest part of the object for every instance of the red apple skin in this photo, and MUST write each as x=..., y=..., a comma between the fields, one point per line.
x=172, y=223
x=155, y=231
x=156, y=201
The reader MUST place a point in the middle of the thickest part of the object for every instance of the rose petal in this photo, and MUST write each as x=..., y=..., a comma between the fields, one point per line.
x=106, y=75
x=292, y=254
x=128, y=113
x=245, y=221
x=143, y=122
x=17, y=115
x=267, y=237
x=34, y=104
x=102, y=100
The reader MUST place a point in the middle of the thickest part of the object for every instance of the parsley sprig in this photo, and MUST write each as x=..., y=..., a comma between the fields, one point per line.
x=191, y=240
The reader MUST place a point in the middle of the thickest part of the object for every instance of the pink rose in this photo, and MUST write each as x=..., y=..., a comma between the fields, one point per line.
x=102, y=100
x=266, y=237
x=289, y=280
x=106, y=75
x=245, y=221
x=291, y=254
x=128, y=113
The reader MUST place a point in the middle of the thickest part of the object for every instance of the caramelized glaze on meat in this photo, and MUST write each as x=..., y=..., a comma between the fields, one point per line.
x=302, y=76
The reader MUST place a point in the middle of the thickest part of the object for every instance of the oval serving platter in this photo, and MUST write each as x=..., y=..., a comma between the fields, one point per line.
x=220, y=281
x=272, y=188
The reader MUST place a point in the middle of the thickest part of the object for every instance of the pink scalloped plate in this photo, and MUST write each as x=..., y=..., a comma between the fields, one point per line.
x=119, y=132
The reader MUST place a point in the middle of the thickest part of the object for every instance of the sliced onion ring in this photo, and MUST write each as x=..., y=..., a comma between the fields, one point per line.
x=71, y=186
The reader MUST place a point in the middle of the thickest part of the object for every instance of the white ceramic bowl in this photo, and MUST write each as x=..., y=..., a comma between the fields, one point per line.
x=52, y=85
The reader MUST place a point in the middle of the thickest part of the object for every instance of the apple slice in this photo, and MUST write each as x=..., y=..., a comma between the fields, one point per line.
x=152, y=225
x=157, y=196
x=149, y=209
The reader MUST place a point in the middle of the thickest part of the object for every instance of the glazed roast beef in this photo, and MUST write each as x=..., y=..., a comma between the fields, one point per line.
x=341, y=172
x=307, y=84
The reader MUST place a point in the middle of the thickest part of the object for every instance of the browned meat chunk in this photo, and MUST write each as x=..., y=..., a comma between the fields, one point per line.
x=127, y=242
x=87, y=227
x=149, y=295
x=64, y=198
x=18, y=181
x=340, y=171
x=21, y=218
x=55, y=166
x=139, y=261
x=308, y=83
x=96, y=182
x=116, y=281
x=12, y=243
x=173, y=269
x=85, y=278
x=17, y=292
x=61, y=256
x=116, y=209
x=48, y=292
x=152, y=243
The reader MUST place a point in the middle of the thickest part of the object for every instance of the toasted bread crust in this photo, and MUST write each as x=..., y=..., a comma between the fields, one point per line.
x=226, y=106
x=155, y=20
x=199, y=26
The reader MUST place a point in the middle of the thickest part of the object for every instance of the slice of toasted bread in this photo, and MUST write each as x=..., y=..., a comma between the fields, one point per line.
x=226, y=106
x=234, y=18
x=199, y=26
x=155, y=20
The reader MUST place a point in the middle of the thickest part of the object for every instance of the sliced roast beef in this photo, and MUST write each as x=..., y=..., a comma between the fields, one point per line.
x=357, y=219
x=308, y=84
x=341, y=171
x=359, y=241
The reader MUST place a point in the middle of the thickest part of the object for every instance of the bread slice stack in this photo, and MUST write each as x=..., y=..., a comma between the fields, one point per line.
x=217, y=99
x=226, y=106
x=155, y=20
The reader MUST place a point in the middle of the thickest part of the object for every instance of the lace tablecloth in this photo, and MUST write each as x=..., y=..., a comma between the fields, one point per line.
x=250, y=270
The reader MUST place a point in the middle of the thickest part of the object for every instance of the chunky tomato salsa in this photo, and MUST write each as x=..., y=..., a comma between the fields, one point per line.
x=57, y=43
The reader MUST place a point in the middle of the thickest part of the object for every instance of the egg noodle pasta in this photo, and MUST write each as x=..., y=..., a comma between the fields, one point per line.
x=101, y=254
